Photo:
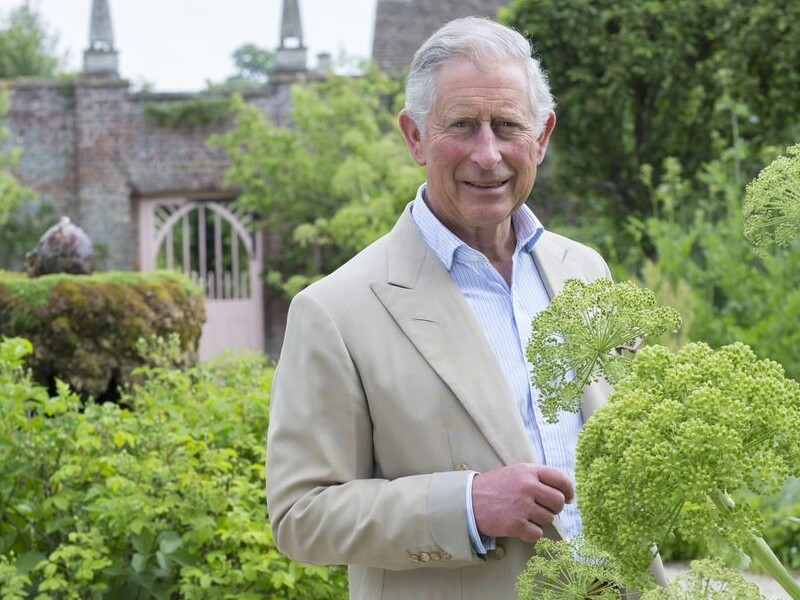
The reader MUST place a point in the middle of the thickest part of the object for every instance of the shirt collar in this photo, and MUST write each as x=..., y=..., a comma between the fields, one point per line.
x=445, y=243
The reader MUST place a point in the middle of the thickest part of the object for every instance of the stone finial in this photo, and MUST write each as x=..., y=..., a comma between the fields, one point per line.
x=291, y=25
x=100, y=58
x=291, y=53
x=64, y=248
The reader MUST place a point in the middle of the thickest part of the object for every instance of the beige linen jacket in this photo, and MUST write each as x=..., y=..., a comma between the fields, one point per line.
x=385, y=395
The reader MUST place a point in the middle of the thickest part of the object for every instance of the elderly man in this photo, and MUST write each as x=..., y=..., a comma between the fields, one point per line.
x=405, y=438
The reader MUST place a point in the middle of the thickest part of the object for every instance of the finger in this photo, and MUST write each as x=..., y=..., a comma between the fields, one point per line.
x=549, y=497
x=530, y=533
x=557, y=479
x=541, y=516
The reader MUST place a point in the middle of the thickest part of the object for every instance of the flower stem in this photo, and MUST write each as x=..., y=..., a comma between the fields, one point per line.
x=760, y=550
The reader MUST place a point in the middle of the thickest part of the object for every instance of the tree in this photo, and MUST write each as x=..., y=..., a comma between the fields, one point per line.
x=638, y=82
x=27, y=49
x=254, y=63
x=253, y=68
x=332, y=182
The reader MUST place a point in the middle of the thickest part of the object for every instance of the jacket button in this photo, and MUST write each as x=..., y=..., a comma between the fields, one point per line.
x=496, y=553
x=424, y=557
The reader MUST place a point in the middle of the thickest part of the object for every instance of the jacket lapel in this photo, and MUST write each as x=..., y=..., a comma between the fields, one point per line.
x=554, y=267
x=430, y=309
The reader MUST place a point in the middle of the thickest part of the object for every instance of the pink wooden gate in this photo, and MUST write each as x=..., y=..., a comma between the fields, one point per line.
x=213, y=243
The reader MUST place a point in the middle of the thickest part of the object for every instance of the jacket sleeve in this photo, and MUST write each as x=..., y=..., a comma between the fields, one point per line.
x=325, y=503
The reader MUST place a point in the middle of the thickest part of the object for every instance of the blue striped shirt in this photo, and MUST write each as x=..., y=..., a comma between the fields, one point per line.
x=505, y=313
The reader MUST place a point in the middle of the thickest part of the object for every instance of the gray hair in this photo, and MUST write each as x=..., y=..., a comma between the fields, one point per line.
x=481, y=41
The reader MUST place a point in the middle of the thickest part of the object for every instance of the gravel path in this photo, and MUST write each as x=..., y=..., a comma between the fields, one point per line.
x=768, y=585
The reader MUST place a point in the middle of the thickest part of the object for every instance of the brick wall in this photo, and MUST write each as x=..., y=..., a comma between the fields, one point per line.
x=90, y=151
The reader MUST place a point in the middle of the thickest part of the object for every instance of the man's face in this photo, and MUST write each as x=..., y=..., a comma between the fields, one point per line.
x=480, y=150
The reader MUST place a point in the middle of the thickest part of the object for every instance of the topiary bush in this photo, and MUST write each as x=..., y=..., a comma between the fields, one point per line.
x=163, y=499
x=84, y=328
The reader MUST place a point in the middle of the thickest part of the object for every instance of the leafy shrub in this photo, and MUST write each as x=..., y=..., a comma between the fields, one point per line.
x=164, y=499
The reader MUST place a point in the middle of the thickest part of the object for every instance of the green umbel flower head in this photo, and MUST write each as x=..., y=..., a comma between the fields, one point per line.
x=772, y=203
x=555, y=572
x=679, y=435
x=707, y=579
x=575, y=341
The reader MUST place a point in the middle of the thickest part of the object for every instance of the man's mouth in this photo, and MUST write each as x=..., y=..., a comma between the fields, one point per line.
x=488, y=185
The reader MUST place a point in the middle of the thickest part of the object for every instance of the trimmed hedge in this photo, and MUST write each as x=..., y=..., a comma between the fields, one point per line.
x=84, y=328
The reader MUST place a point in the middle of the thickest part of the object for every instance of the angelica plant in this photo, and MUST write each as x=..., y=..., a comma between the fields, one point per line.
x=772, y=203
x=680, y=436
x=574, y=570
x=567, y=570
x=707, y=579
x=575, y=340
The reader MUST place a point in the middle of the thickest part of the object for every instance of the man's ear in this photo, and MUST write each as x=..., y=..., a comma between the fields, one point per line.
x=412, y=136
x=544, y=137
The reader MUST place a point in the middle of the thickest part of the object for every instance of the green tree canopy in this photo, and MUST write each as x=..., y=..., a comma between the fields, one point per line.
x=332, y=182
x=637, y=82
x=254, y=63
x=253, y=68
x=27, y=49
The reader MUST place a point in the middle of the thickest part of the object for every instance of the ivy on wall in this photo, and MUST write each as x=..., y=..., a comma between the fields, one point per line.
x=192, y=113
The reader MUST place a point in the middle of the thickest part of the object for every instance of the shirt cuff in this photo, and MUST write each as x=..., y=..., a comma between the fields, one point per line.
x=480, y=543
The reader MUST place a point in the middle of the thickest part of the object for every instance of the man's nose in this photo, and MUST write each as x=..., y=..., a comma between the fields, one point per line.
x=485, y=152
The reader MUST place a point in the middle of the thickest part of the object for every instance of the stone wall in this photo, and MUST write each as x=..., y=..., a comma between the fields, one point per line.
x=41, y=117
x=89, y=150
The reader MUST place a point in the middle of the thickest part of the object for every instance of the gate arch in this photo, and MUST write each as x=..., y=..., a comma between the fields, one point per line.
x=214, y=243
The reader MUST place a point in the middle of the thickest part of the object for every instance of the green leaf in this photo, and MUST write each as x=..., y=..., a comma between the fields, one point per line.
x=139, y=562
x=28, y=561
x=169, y=541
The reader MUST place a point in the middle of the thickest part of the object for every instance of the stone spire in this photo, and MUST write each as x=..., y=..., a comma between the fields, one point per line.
x=291, y=54
x=100, y=58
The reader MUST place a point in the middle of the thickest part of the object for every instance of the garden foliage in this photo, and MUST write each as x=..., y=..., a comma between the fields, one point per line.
x=332, y=182
x=698, y=241
x=640, y=82
x=162, y=499
x=27, y=47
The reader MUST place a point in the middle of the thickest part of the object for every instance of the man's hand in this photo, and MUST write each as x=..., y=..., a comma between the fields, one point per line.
x=519, y=500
